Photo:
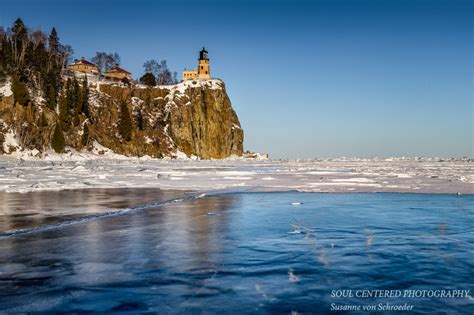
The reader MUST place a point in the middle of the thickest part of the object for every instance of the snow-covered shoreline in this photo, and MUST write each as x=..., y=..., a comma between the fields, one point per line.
x=76, y=171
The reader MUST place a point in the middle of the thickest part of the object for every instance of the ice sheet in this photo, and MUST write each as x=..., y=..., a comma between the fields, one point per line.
x=340, y=175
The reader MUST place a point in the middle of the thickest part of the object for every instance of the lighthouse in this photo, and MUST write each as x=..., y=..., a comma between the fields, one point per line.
x=203, y=65
x=203, y=71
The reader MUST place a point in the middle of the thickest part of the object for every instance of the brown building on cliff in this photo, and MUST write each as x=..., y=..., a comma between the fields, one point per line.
x=117, y=74
x=84, y=66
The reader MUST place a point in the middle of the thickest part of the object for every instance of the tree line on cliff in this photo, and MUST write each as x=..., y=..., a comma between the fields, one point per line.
x=34, y=62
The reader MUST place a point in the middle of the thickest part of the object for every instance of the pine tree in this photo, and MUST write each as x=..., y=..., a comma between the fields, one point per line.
x=85, y=135
x=6, y=55
x=125, y=122
x=77, y=102
x=19, y=31
x=50, y=80
x=139, y=120
x=43, y=120
x=24, y=52
x=125, y=81
x=85, y=97
x=58, y=142
x=2, y=140
x=20, y=91
x=148, y=79
x=53, y=41
x=69, y=96
x=52, y=98
x=63, y=111
x=75, y=119
x=77, y=96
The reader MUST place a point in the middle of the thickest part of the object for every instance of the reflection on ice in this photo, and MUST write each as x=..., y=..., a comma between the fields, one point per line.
x=22, y=212
x=177, y=258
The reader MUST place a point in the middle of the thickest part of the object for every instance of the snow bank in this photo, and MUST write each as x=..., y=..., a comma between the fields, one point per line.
x=181, y=87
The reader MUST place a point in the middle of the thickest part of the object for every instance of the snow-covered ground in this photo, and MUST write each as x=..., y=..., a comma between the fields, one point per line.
x=24, y=173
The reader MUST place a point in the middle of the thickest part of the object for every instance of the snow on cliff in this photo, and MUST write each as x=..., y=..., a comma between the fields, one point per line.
x=6, y=90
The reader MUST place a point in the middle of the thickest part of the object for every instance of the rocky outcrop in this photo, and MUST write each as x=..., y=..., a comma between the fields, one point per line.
x=194, y=117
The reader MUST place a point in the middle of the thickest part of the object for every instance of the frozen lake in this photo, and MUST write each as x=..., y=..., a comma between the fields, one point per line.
x=339, y=175
x=241, y=253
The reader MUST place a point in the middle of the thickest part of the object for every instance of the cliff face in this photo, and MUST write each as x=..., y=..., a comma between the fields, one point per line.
x=194, y=117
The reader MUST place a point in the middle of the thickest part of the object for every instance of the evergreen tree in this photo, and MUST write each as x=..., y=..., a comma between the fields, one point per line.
x=148, y=79
x=85, y=97
x=139, y=120
x=77, y=101
x=63, y=111
x=125, y=122
x=75, y=119
x=50, y=80
x=85, y=135
x=43, y=120
x=69, y=96
x=53, y=41
x=19, y=30
x=58, y=142
x=126, y=81
x=77, y=96
x=6, y=54
x=52, y=98
x=20, y=91
x=23, y=52
x=2, y=140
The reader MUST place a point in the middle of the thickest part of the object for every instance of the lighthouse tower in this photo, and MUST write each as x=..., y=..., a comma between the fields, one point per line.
x=204, y=72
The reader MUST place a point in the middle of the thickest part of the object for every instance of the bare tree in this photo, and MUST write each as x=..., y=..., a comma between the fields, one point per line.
x=152, y=66
x=19, y=41
x=161, y=72
x=165, y=77
x=106, y=61
x=113, y=60
x=65, y=53
x=38, y=37
x=3, y=34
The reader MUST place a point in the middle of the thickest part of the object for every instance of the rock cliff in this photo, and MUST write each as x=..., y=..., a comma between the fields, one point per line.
x=193, y=117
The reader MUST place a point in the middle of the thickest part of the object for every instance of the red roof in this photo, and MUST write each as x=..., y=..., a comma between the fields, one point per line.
x=84, y=62
x=118, y=69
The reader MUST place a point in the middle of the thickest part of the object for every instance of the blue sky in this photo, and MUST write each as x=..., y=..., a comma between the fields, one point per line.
x=307, y=78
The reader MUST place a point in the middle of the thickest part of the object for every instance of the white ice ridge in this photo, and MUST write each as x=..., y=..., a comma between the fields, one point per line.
x=78, y=171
